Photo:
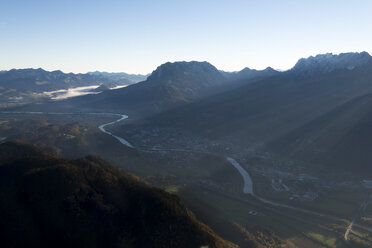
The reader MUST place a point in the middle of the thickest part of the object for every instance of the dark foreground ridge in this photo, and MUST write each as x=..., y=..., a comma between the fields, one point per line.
x=47, y=201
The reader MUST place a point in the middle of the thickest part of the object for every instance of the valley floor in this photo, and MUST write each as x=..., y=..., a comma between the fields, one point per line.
x=221, y=181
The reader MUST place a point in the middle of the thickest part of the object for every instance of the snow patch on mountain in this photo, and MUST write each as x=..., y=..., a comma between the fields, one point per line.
x=329, y=62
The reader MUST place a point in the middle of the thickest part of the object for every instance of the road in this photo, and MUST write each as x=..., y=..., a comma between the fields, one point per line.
x=359, y=213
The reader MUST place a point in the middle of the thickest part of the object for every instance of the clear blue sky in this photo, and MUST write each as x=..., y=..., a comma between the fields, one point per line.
x=136, y=36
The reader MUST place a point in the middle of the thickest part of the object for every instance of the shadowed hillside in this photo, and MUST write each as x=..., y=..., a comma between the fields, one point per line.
x=341, y=137
x=259, y=112
x=170, y=85
x=48, y=201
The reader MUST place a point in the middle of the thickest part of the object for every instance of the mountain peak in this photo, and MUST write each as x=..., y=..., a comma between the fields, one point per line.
x=247, y=73
x=170, y=85
x=247, y=69
x=329, y=62
x=187, y=68
x=193, y=72
x=269, y=69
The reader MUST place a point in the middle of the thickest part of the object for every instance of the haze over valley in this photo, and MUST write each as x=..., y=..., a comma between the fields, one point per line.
x=252, y=129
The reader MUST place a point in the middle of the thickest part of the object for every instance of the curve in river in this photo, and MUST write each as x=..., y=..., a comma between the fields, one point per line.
x=101, y=127
x=248, y=185
x=120, y=139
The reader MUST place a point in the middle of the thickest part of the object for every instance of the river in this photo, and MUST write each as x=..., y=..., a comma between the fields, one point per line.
x=120, y=139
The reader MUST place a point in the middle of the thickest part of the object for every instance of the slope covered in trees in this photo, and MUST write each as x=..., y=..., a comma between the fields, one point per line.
x=47, y=201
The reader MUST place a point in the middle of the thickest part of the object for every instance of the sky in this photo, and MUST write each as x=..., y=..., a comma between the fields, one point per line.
x=136, y=36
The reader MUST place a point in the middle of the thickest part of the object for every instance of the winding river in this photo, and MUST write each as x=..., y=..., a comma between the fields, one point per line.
x=120, y=139
x=248, y=184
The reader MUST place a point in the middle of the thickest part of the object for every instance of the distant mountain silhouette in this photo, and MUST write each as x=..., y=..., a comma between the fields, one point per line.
x=170, y=85
x=23, y=86
x=47, y=201
x=248, y=73
x=39, y=80
x=135, y=78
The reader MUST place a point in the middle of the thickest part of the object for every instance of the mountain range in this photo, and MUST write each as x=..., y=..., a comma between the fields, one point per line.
x=169, y=86
x=135, y=78
x=39, y=80
x=321, y=103
x=248, y=73
x=324, y=63
x=266, y=110
x=28, y=85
